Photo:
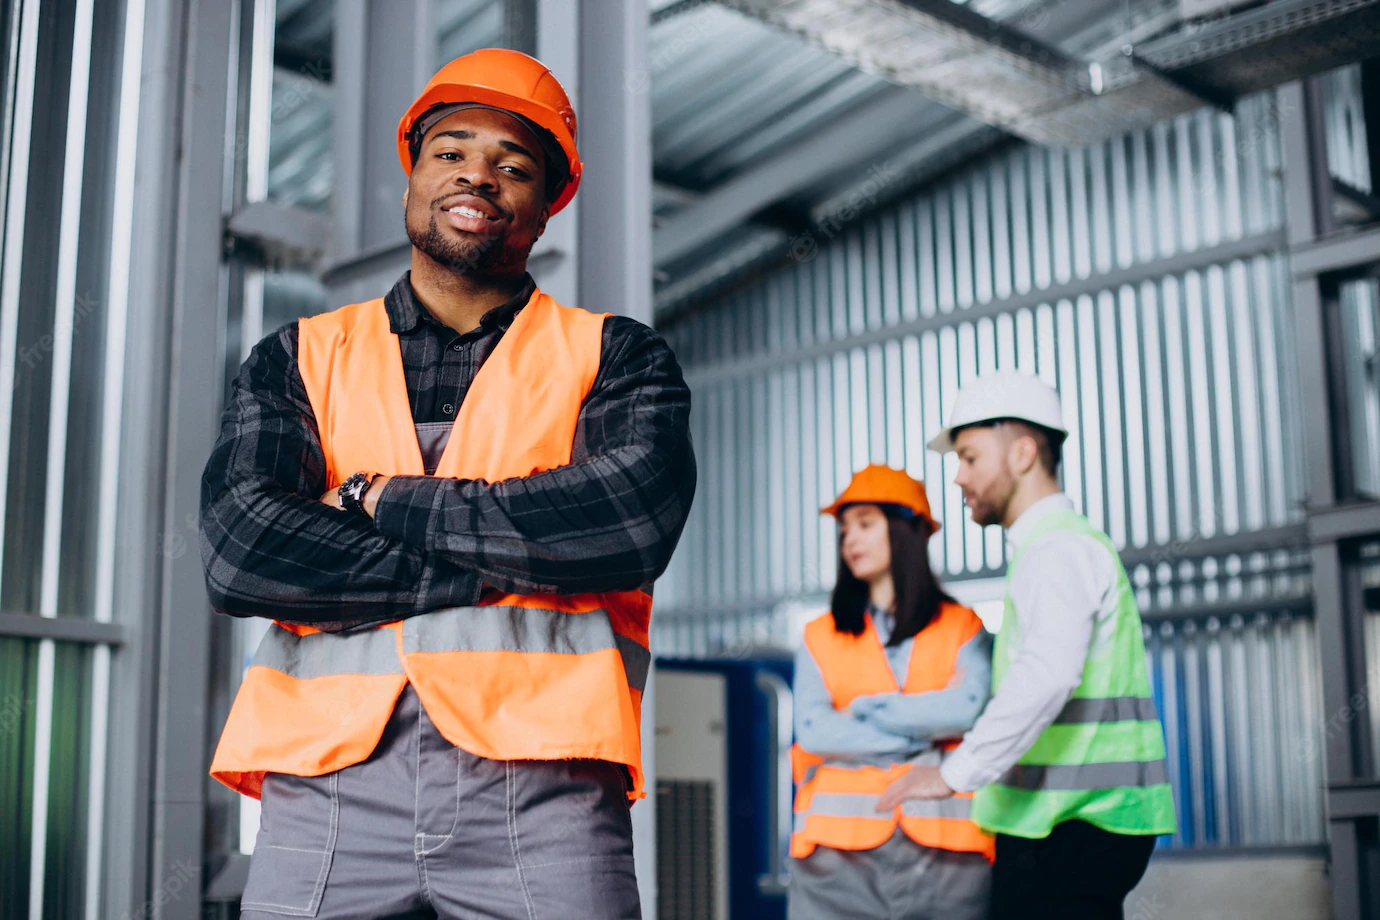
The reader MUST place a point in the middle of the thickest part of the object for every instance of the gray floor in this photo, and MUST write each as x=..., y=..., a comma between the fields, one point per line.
x=1232, y=887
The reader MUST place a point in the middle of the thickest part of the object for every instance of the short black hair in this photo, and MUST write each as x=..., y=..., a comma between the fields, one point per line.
x=1049, y=444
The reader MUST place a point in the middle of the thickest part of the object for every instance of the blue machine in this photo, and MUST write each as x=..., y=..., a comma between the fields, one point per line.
x=758, y=727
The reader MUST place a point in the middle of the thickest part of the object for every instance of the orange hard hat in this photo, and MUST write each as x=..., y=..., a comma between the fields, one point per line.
x=882, y=485
x=503, y=79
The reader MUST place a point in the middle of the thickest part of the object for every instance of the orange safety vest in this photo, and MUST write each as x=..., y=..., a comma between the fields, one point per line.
x=515, y=677
x=835, y=805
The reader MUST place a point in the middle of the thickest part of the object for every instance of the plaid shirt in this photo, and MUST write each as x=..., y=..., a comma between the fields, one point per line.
x=606, y=522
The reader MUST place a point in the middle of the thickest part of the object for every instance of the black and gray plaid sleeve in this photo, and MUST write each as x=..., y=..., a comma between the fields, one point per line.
x=270, y=547
x=608, y=521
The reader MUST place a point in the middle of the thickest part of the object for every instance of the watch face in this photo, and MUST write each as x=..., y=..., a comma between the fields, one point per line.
x=351, y=491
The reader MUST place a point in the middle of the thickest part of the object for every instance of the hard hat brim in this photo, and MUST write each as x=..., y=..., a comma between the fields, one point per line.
x=943, y=442
x=838, y=507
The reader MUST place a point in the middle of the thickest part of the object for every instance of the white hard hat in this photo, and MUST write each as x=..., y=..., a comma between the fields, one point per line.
x=1001, y=395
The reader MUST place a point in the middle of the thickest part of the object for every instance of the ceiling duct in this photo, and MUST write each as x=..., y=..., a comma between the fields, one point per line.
x=1003, y=77
x=1250, y=50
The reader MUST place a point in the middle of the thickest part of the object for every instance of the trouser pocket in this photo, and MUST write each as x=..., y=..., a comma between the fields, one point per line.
x=569, y=811
x=292, y=855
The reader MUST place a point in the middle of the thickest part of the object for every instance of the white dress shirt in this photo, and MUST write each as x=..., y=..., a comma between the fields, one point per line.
x=1064, y=594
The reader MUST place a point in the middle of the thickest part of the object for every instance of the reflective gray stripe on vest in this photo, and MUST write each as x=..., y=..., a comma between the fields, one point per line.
x=1108, y=709
x=369, y=651
x=864, y=805
x=637, y=661
x=856, y=762
x=952, y=807
x=523, y=629
x=1087, y=776
x=845, y=805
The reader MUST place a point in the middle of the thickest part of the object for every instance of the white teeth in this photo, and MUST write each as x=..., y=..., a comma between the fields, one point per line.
x=468, y=212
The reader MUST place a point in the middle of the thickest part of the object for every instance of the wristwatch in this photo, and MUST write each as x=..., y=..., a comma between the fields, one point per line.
x=352, y=490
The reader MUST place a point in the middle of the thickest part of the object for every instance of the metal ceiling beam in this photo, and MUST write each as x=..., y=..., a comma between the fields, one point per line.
x=881, y=126
x=672, y=10
x=678, y=194
x=942, y=149
x=292, y=235
x=718, y=271
x=1000, y=75
x=1252, y=49
x=983, y=34
x=954, y=55
x=913, y=164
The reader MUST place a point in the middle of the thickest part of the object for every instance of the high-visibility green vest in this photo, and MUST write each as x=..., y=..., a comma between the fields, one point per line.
x=1103, y=759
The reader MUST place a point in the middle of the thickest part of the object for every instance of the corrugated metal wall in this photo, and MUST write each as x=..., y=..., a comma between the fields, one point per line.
x=1233, y=665
x=1239, y=700
x=1359, y=304
x=1348, y=157
x=1348, y=160
x=1141, y=277
x=1369, y=567
x=1145, y=278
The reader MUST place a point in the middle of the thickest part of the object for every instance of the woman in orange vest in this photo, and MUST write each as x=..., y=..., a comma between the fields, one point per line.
x=896, y=672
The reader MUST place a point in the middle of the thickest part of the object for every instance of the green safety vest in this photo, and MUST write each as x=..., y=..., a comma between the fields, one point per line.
x=1102, y=760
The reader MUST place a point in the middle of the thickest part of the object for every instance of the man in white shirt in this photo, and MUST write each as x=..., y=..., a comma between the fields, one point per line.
x=1069, y=754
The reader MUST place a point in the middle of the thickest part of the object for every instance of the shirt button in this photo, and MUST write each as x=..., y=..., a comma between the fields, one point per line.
x=448, y=409
x=457, y=347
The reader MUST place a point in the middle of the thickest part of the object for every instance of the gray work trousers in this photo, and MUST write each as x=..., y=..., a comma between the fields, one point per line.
x=899, y=880
x=424, y=830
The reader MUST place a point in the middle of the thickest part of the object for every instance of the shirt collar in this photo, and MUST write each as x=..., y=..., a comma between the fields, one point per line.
x=1024, y=525
x=882, y=620
x=406, y=311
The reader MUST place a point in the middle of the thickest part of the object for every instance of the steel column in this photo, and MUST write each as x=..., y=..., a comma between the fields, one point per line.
x=194, y=312
x=615, y=268
x=1308, y=191
x=554, y=263
x=384, y=54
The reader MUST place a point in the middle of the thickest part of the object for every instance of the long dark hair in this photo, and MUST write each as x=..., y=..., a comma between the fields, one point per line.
x=918, y=592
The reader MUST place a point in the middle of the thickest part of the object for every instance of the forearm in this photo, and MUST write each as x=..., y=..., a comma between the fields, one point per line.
x=609, y=523
x=938, y=716
x=270, y=547
x=271, y=553
x=1062, y=590
x=831, y=733
x=1046, y=668
x=1026, y=705
x=942, y=714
